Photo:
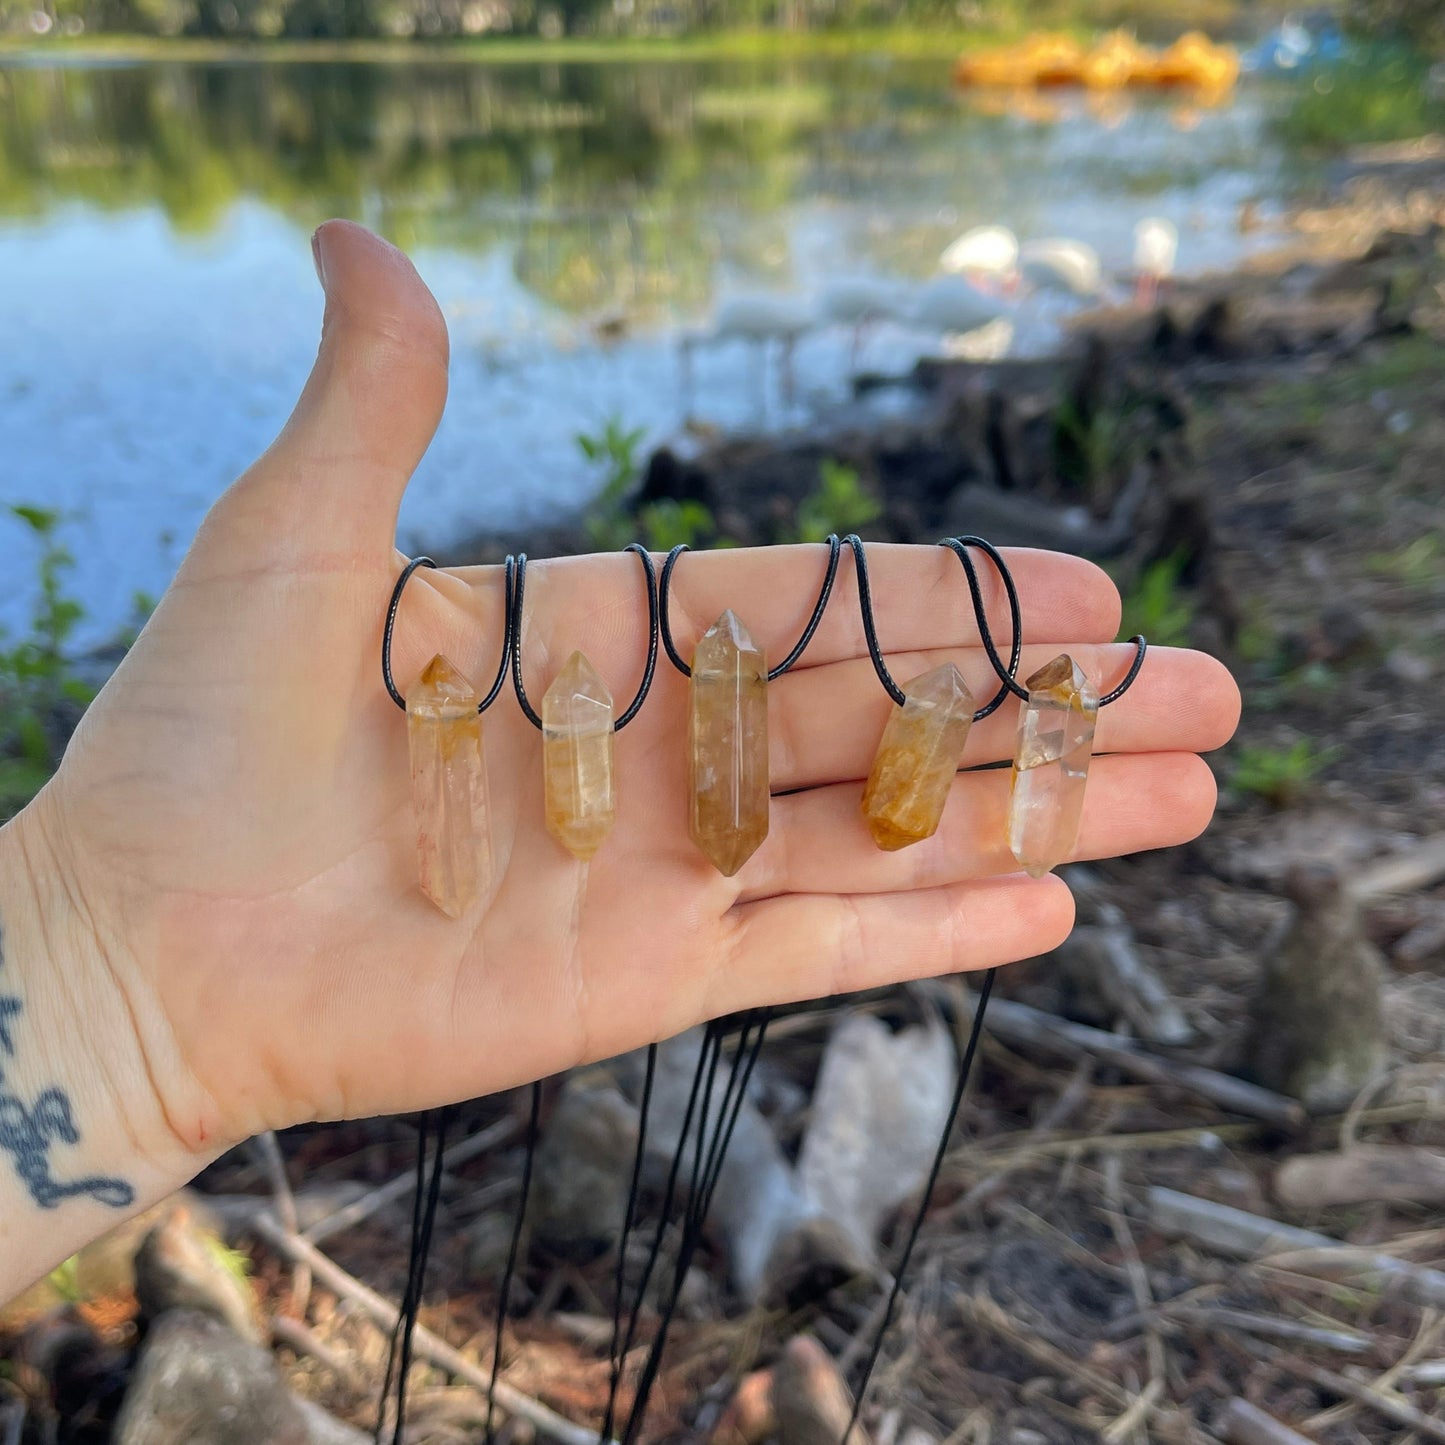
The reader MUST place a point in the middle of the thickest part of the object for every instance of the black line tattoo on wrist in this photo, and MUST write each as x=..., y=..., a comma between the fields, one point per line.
x=28, y=1132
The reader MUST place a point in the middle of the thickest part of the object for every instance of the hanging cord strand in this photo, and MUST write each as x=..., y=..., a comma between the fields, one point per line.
x=704, y=1184
x=665, y=1214
x=629, y=1216
x=422, y=1253
x=388, y=633
x=504, y=1294
x=393, y=1350
x=517, y=591
x=835, y=548
x=965, y=1069
x=960, y=547
x=425, y=1198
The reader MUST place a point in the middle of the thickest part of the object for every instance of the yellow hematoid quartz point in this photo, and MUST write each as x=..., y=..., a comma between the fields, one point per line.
x=577, y=718
x=1051, y=765
x=915, y=764
x=448, y=788
x=728, y=746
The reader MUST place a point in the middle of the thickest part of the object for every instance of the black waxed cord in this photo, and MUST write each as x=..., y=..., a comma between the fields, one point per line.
x=959, y=545
x=534, y=1119
x=389, y=628
x=835, y=551
x=653, y=623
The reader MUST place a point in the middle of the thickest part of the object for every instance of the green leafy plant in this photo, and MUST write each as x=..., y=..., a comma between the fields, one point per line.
x=1279, y=775
x=37, y=687
x=64, y=1279
x=613, y=451
x=668, y=524
x=1157, y=606
x=841, y=503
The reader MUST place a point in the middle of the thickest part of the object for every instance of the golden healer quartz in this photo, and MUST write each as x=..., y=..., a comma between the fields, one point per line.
x=577, y=731
x=728, y=789
x=917, y=758
x=448, y=788
x=1051, y=765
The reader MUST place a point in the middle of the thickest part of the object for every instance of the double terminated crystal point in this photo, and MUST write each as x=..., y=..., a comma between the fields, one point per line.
x=728, y=746
x=577, y=731
x=448, y=788
x=915, y=764
x=1051, y=765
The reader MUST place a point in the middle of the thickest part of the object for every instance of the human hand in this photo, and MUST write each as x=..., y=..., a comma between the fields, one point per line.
x=228, y=850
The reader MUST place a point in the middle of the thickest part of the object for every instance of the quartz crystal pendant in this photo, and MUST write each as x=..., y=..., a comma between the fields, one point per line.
x=916, y=761
x=448, y=788
x=1051, y=765
x=577, y=719
x=728, y=746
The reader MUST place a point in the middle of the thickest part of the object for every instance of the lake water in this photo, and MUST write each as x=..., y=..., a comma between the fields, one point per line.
x=158, y=309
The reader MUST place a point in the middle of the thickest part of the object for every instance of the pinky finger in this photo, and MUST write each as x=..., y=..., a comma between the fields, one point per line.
x=813, y=945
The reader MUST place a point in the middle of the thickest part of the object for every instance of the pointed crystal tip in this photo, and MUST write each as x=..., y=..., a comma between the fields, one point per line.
x=441, y=683
x=1061, y=681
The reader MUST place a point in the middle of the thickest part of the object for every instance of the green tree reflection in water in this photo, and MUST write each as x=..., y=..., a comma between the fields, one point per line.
x=617, y=186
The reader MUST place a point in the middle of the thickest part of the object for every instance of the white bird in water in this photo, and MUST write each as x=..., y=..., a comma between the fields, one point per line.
x=1156, y=246
x=860, y=302
x=950, y=305
x=1060, y=264
x=761, y=319
x=987, y=255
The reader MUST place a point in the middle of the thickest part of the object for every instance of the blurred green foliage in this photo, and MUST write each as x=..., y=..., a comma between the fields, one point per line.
x=441, y=19
x=1379, y=93
x=841, y=504
x=1279, y=775
x=1158, y=606
x=39, y=695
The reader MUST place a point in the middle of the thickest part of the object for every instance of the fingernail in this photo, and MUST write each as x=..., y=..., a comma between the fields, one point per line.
x=318, y=257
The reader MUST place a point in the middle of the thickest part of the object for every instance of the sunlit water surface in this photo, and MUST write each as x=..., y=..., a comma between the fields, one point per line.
x=158, y=308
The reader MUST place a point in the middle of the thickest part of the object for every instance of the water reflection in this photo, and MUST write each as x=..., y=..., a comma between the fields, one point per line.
x=158, y=308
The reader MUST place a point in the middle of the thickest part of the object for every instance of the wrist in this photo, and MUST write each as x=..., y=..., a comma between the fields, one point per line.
x=86, y=1133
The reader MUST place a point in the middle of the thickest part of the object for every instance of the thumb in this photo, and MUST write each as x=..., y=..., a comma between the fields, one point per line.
x=331, y=484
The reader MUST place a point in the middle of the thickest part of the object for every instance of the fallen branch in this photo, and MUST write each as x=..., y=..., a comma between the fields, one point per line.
x=352, y=1214
x=384, y=1314
x=1404, y=872
x=1363, y=1173
x=1018, y=1023
x=1251, y=1236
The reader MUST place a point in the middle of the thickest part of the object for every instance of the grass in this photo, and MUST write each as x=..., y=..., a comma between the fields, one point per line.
x=1279, y=775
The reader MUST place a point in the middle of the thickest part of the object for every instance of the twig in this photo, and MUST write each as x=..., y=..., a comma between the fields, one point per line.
x=383, y=1313
x=352, y=1214
x=268, y=1150
x=1404, y=872
x=1241, y=1423
x=1225, y=1321
x=1018, y=1023
x=1251, y=1236
x=1390, y=1406
x=980, y=1310
x=1143, y=1299
x=305, y=1341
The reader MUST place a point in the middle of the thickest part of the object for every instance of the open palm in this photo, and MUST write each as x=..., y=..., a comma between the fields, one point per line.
x=234, y=814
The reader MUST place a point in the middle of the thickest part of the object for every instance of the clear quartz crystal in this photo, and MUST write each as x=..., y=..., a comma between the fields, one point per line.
x=448, y=788
x=917, y=759
x=1051, y=765
x=728, y=791
x=577, y=731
